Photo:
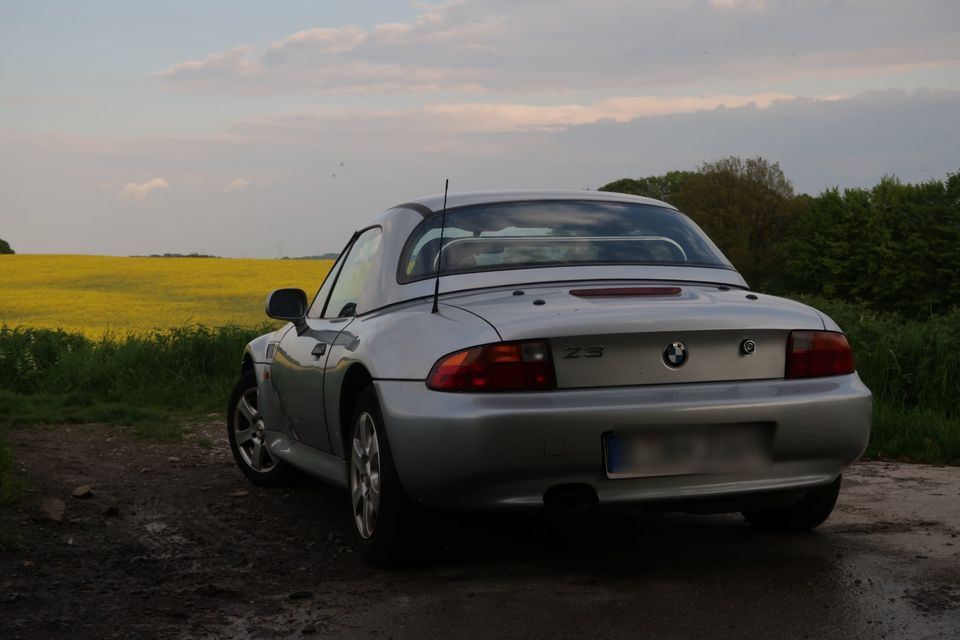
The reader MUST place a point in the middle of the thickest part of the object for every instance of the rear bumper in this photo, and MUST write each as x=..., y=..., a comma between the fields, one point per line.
x=496, y=451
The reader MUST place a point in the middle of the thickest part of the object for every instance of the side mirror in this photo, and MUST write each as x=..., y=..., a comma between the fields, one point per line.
x=287, y=304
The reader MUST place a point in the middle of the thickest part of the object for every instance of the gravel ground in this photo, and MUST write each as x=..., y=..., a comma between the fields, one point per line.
x=174, y=543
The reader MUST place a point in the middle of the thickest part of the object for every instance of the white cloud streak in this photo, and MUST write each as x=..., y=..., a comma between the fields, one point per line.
x=503, y=46
x=392, y=157
x=235, y=184
x=752, y=5
x=447, y=123
x=498, y=117
x=135, y=191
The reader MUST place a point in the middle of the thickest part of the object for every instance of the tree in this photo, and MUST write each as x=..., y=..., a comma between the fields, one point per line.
x=664, y=187
x=745, y=206
x=894, y=245
x=5, y=247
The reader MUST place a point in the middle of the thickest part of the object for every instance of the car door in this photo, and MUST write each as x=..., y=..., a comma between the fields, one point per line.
x=302, y=356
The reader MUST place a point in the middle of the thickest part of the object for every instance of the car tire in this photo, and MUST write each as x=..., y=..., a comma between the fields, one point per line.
x=809, y=512
x=381, y=512
x=245, y=431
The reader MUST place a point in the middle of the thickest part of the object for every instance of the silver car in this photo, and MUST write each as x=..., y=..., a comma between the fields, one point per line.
x=529, y=350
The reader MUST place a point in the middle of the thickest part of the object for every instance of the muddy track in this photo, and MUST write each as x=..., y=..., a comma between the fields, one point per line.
x=195, y=551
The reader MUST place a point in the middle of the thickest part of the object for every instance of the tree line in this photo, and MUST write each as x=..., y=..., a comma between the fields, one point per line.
x=895, y=246
x=5, y=247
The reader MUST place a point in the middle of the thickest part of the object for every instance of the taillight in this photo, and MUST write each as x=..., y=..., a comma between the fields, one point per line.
x=506, y=366
x=812, y=354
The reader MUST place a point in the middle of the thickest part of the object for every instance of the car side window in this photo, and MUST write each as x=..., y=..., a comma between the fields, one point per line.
x=353, y=275
x=316, y=307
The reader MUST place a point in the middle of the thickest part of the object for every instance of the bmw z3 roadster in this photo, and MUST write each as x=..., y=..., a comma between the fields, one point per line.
x=557, y=350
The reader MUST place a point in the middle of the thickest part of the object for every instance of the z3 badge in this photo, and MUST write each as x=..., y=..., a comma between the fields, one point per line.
x=582, y=352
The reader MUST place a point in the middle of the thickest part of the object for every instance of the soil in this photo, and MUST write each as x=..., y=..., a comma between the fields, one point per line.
x=172, y=542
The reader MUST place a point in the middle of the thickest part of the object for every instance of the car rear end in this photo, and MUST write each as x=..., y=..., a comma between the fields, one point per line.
x=672, y=389
x=618, y=413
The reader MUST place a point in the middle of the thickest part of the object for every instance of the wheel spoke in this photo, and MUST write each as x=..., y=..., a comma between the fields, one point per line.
x=365, y=433
x=359, y=514
x=266, y=459
x=369, y=516
x=356, y=493
x=356, y=459
x=256, y=455
x=243, y=436
x=247, y=411
x=375, y=474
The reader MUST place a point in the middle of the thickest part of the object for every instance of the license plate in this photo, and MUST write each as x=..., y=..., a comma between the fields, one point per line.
x=684, y=450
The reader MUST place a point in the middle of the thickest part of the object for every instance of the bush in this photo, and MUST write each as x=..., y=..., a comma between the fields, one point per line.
x=907, y=363
x=120, y=379
x=913, y=369
x=894, y=245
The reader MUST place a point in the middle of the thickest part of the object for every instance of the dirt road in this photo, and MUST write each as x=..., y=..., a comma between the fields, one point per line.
x=175, y=544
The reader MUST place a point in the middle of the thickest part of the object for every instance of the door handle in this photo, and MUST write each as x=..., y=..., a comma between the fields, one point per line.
x=319, y=349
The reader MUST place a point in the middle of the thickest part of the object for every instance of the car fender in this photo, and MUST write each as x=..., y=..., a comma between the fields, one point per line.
x=256, y=351
x=394, y=344
x=256, y=355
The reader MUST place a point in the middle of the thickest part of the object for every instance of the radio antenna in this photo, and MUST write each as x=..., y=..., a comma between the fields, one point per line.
x=443, y=223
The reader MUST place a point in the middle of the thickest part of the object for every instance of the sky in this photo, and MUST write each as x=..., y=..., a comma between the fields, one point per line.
x=249, y=128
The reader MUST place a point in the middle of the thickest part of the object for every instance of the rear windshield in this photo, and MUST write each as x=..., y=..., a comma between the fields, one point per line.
x=518, y=235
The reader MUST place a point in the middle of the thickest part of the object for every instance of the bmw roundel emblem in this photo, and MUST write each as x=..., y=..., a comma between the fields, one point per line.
x=675, y=355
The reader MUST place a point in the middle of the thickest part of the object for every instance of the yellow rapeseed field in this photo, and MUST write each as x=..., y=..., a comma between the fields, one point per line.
x=98, y=294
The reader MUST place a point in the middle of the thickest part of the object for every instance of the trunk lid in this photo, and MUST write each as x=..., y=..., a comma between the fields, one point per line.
x=698, y=334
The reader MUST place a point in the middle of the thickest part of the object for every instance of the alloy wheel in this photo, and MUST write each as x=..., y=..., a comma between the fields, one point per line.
x=365, y=475
x=249, y=434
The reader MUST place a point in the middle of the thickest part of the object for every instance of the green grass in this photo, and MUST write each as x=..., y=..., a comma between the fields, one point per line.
x=51, y=376
x=152, y=380
x=907, y=363
x=913, y=368
x=914, y=435
x=149, y=382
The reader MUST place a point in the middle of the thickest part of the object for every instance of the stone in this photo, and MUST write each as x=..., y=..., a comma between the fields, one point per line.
x=83, y=492
x=52, y=510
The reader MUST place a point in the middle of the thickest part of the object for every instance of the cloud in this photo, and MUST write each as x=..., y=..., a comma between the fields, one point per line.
x=134, y=191
x=47, y=100
x=820, y=141
x=450, y=120
x=504, y=46
x=755, y=5
x=497, y=117
x=236, y=183
x=851, y=142
x=395, y=156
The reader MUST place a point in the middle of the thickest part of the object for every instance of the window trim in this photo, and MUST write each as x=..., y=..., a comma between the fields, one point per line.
x=333, y=273
x=346, y=255
x=403, y=279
